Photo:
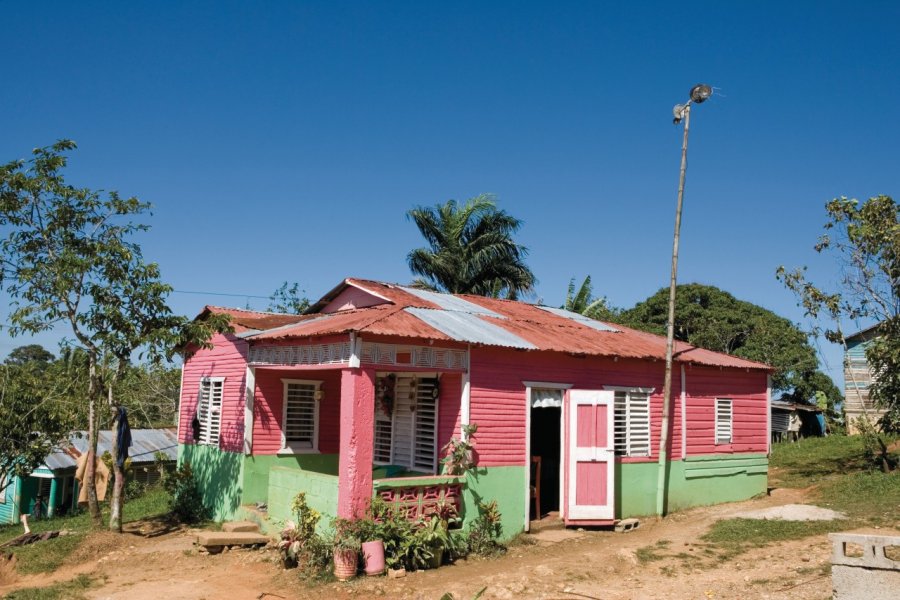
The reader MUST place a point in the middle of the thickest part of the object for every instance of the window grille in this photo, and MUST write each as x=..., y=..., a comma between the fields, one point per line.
x=209, y=410
x=301, y=415
x=632, y=423
x=723, y=421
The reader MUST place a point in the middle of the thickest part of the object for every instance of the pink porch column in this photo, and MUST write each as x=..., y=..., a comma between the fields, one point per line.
x=357, y=431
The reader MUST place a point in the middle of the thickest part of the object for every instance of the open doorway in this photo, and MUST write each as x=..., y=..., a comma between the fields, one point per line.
x=545, y=459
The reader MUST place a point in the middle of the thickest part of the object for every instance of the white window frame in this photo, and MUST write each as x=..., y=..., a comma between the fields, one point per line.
x=295, y=446
x=629, y=452
x=414, y=424
x=720, y=424
x=210, y=416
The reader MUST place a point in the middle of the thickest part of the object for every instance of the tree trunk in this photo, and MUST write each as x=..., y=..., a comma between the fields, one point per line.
x=115, y=503
x=90, y=469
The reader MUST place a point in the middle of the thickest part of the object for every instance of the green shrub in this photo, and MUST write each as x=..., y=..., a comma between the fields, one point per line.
x=485, y=531
x=134, y=489
x=186, y=502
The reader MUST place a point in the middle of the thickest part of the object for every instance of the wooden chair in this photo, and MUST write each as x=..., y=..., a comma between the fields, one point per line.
x=536, y=485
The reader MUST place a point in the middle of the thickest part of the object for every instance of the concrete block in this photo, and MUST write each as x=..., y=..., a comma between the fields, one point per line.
x=223, y=538
x=627, y=525
x=240, y=526
x=872, y=576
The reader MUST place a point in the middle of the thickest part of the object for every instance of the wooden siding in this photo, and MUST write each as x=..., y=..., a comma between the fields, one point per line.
x=228, y=359
x=269, y=402
x=498, y=400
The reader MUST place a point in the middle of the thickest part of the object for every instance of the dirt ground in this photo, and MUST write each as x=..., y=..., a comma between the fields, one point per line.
x=153, y=564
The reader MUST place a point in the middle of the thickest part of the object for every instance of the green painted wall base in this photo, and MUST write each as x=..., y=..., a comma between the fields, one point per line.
x=506, y=485
x=218, y=475
x=696, y=481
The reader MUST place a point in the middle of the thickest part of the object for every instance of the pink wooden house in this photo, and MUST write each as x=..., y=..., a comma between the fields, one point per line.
x=357, y=397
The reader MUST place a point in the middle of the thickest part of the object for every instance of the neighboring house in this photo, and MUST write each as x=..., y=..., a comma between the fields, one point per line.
x=54, y=482
x=357, y=397
x=857, y=379
x=793, y=420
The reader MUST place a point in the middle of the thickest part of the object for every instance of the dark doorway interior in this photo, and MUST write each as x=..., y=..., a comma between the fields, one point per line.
x=545, y=432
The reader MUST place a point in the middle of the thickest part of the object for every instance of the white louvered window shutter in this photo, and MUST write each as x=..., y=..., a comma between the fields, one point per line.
x=425, y=448
x=632, y=423
x=409, y=437
x=723, y=421
x=300, y=426
x=209, y=410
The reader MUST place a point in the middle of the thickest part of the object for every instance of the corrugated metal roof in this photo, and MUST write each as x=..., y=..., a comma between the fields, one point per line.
x=145, y=443
x=416, y=314
x=250, y=320
x=450, y=302
x=592, y=323
x=465, y=327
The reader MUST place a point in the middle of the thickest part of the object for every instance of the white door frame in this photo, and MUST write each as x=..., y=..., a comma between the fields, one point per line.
x=562, y=430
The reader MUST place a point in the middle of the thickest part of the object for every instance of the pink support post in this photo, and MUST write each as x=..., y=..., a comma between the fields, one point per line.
x=357, y=431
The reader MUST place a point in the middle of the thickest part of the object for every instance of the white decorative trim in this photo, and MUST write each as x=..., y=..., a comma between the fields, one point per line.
x=312, y=354
x=180, y=402
x=249, y=394
x=465, y=405
x=355, y=352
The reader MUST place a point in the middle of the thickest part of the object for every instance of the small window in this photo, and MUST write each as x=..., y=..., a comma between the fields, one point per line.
x=300, y=423
x=632, y=423
x=209, y=410
x=406, y=412
x=723, y=420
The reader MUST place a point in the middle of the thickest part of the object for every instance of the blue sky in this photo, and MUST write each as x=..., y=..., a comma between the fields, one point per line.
x=286, y=141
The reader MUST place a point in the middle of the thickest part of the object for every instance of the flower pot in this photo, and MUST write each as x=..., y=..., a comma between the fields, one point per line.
x=373, y=557
x=345, y=564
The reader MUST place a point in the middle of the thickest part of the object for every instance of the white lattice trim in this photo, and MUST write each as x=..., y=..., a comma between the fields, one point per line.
x=315, y=354
x=393, y=355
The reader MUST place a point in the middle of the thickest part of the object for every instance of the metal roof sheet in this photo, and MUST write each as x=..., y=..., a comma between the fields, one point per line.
x=450, y=302
x=249, y=320
x=592, y=323
x=470, y=328
x=418, y=314
x=145, y=443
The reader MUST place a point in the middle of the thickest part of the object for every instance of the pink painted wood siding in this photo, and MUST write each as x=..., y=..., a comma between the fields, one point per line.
x=269, y=402
x=498, y=399
x=228, y=359
x=749, y=407
x=448, y=410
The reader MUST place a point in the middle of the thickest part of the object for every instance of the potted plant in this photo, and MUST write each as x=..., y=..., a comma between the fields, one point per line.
x=436, y=539
x=346, y=547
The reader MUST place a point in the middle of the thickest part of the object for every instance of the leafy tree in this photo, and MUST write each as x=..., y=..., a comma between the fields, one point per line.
x=29, y=353
x=32, y=418
x=582, y=301
x=864, y=240
x=67, y=257
x=470, y=250
x=289, y=299
x=711, y=318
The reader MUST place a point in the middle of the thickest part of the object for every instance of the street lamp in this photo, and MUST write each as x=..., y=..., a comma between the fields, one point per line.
x=682, y=112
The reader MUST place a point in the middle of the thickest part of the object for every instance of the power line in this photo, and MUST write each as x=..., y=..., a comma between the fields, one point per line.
x=220, y=294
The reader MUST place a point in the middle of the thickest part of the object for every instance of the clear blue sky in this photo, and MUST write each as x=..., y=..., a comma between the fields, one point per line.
x=286, y=141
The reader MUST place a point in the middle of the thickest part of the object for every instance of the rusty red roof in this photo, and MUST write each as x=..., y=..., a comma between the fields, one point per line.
x=411, y=313
x=251, y=320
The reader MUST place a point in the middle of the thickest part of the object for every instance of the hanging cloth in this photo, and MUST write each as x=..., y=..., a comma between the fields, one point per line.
x=123, y=437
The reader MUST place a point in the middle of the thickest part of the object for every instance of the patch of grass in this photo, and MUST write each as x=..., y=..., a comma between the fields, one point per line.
x=735, y=536
x=66, y=590
x=816, y=460
x=652, y=553
x=43, y=557
x=872, y=496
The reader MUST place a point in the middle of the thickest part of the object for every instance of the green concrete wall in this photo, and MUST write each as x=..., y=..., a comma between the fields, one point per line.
x=257, y=469
x=506, y=485
x=696, y=481
x=321, y=494
x=219, y=477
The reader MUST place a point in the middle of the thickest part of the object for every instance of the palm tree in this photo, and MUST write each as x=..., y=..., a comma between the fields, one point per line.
x=583, y=302
x=470, y=250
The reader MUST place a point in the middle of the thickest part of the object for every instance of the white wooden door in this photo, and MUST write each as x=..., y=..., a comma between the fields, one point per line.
x=590, y=455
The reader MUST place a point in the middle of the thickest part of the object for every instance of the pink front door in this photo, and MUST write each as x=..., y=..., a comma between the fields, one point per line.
x=590, y=456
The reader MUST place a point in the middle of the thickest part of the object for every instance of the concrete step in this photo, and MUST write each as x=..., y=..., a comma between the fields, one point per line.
x=219, y=539
x=240, y=526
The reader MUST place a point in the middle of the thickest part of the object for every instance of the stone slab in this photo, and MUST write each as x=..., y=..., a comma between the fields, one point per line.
x=240, y=526
x=225, y=538
x=858, y=583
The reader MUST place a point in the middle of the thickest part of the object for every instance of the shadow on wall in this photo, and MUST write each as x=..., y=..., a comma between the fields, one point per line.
x=218, y=476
